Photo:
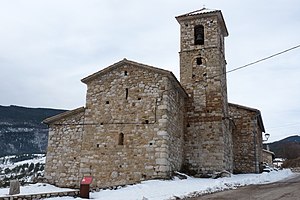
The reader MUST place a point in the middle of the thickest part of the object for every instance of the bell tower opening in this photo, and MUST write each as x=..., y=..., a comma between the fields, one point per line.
x=199, y=35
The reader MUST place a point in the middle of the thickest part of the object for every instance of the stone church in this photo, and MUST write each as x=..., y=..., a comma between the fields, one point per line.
x=141, y=123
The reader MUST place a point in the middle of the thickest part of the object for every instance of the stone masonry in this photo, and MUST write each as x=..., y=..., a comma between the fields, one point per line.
x=64, y=147
x=132, y=129
x=202, y=68
x=141, y=123
x=247, y=138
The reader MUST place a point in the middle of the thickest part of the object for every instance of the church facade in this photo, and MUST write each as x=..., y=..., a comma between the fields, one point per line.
x=141, y=123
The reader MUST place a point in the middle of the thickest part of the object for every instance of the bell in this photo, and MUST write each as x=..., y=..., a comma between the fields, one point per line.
x=199, y=39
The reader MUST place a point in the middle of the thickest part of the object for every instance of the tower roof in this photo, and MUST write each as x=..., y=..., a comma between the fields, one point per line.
x=205, y=12
x=201, y=11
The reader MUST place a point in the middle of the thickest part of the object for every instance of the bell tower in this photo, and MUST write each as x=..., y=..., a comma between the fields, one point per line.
x=208, y=139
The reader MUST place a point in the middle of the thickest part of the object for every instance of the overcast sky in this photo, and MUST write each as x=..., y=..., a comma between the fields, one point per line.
x=48, y=46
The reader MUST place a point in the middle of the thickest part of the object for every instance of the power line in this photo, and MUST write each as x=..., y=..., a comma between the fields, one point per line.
x=252, y=63
x=263, y=59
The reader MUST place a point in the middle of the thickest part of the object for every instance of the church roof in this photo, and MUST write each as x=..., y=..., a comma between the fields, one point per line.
x=205, y=12
x=63, y=115
x=259, y=117
x=123, y=62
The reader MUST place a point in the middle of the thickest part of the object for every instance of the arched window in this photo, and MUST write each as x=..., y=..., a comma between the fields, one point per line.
x=199, y=35
x=121, y=139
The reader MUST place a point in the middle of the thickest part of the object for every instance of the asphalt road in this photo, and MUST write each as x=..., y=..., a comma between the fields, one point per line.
x=288, y=189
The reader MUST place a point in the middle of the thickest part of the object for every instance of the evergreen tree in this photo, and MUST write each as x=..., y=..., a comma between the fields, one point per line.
x=31, y=167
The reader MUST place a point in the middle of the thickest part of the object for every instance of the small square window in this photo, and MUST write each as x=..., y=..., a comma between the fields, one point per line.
x=121, y=139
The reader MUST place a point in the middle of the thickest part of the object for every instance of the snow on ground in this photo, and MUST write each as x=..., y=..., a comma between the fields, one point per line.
x=35, y=189
x=159, y=189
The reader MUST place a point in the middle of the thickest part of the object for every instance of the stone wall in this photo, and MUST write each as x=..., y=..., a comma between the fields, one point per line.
x=267, y=157
x=64, y=147
x=130, y=130
x=176, y=127
x=247, y=139
x=127, y=126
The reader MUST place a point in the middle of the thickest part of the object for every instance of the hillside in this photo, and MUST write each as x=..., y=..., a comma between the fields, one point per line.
x=286, y=148
x=27, y=168
x=21, y=130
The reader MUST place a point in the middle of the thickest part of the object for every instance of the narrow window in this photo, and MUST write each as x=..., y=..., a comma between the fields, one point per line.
x=121, y=139
x=199, y=35
x=126, y=95
x=146, y=121
x=107, y=102
x=125, y=73
x=199, y=61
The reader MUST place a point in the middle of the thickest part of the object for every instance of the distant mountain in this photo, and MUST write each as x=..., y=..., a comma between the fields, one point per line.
x=21, y=130
x=295, y=138
x=286, y=148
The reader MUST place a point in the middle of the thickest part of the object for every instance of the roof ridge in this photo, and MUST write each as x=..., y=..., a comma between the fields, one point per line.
x=244, y=107
x=200, y=11
x=145, y=66
x=90, y=77
x=68, y=113
x=196, y=11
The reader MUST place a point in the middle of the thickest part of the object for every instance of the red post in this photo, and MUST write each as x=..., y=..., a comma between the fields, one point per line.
x=85, y=187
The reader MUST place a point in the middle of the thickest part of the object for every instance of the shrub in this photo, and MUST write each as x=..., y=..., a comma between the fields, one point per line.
x=291, y=163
